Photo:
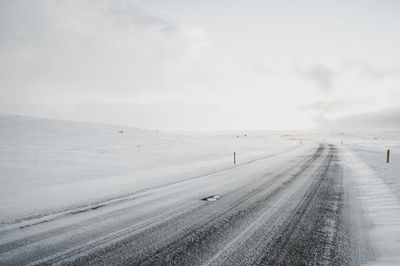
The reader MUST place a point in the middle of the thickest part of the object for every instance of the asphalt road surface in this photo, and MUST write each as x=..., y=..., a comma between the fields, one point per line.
x=284, y=209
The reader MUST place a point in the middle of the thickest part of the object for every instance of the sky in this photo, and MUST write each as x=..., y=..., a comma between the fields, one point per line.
x=203, y=65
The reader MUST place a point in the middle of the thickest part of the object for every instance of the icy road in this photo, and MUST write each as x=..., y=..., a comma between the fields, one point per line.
x=272, y=210
x=91, y=194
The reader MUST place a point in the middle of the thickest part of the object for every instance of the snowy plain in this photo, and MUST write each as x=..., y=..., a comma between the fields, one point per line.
x=51, y=168
x=48, y=165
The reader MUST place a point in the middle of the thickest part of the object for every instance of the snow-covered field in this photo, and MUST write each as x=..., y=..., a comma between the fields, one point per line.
x=50, y=169
x=48, y=166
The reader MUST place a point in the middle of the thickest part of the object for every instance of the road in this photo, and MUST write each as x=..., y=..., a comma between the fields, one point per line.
x=287, y=209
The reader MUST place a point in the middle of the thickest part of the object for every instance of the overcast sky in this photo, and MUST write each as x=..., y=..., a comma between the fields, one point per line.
x=210, y=64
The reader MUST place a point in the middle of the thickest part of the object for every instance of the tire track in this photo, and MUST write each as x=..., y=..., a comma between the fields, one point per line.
x=315, y=234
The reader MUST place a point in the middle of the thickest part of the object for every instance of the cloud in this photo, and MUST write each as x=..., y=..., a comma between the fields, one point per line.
x=80, y=50
x=321, y=75
x=384, y=119
x=76, y=58
x=336, y=105
x=369, y=71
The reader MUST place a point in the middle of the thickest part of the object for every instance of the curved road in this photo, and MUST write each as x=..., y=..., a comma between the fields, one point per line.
x=279, y=210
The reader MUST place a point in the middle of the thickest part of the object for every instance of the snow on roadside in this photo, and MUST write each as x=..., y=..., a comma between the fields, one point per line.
x=49, y=166
x=381, y=207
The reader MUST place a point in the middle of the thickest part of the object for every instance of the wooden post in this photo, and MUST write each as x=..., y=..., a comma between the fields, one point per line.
x=234, y=157
x=387, y=156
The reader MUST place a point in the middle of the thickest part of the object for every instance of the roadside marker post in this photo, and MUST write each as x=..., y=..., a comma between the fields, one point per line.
x=234, y=157
x=387, y=156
